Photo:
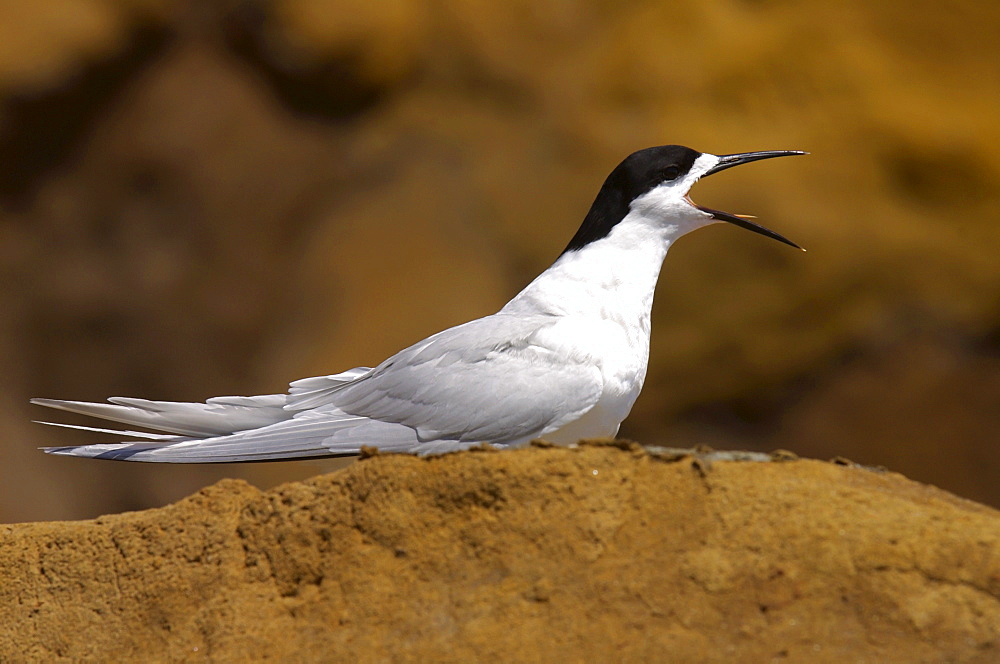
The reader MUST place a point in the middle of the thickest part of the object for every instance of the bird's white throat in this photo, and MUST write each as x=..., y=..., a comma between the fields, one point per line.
x=614, y=277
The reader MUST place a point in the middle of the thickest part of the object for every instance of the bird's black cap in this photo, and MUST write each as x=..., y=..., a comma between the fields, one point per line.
x=638, y=173
x=645, y=169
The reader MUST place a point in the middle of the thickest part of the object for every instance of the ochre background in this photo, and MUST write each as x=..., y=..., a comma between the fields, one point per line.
x=206, y=198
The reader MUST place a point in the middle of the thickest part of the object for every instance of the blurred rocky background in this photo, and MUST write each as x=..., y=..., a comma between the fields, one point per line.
x=206, y=198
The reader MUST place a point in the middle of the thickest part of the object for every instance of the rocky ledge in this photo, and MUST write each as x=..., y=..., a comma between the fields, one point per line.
x=605, y=552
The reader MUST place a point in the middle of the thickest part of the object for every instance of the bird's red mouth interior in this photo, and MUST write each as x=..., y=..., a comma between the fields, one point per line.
x=716, y=213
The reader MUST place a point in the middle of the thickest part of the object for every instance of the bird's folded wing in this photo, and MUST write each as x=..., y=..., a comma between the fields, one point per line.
x=488, y=380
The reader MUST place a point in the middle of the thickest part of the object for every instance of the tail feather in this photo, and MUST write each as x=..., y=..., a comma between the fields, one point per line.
x=301, y=424
x=306, y=436
x=220, y=415
x=174, y=453
x=117, y=432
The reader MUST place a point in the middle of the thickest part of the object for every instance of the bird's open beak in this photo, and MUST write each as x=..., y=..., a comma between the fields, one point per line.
x=730, y=160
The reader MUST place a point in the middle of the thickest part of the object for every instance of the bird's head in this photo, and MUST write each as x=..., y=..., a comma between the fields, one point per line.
x=656, y=182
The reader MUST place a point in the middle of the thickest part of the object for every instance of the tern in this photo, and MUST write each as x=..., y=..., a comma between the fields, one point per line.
x=564, y=360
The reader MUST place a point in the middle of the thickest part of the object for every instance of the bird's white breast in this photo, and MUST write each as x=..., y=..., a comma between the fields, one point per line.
x=602, y=296
x=621, y=354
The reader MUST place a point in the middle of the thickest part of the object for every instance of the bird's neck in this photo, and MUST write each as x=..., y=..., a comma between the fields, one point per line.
x=611, y=278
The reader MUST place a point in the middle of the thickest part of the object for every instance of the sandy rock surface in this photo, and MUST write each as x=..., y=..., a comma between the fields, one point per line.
x=601, y=553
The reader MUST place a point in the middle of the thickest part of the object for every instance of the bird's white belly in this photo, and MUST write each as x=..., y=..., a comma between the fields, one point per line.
x=598, y=422
x=621, y=353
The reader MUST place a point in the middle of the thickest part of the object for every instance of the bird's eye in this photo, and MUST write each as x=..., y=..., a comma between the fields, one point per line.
x=670, y=173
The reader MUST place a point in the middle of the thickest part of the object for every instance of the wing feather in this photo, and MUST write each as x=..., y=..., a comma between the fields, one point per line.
x=493, y=380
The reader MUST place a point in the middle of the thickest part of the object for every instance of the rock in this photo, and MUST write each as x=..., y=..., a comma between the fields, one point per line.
x=604, y=552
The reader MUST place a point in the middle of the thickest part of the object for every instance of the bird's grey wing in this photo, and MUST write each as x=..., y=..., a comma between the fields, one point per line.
x=492, y=380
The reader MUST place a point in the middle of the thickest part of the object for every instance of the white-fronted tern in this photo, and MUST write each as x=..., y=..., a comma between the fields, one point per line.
x=564, y=360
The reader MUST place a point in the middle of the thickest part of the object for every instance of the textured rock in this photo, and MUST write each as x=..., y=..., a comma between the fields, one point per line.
x=598, y=553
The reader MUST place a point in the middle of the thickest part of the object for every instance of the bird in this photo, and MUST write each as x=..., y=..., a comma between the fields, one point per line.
x=564, y=360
